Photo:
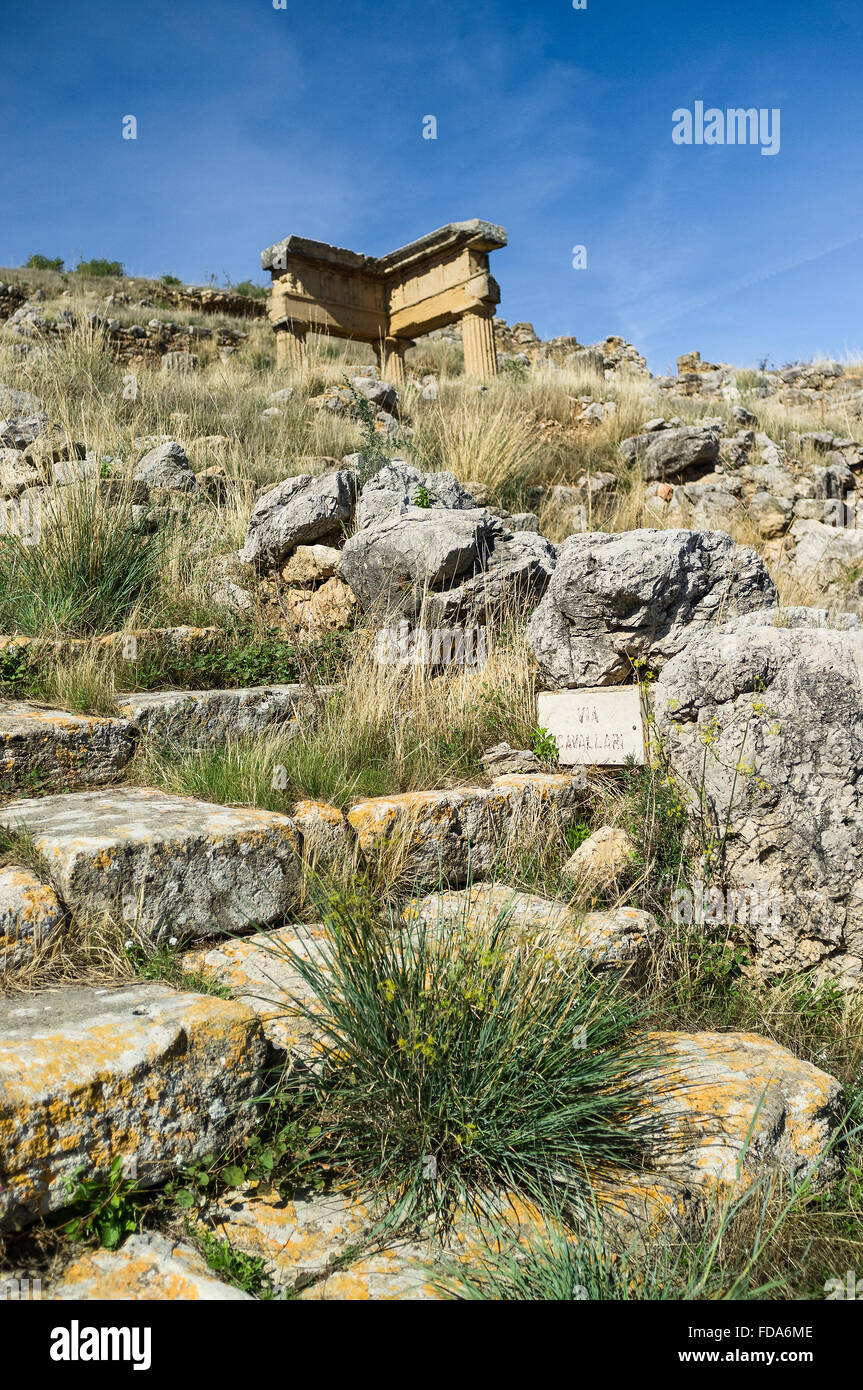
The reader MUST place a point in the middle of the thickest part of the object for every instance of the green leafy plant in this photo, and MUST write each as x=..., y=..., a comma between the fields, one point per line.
x=544, y=745
x=423, y=497
x=105, y=1209
x=246, y=1272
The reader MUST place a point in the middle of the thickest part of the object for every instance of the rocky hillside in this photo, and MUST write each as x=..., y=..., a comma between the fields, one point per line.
x=321, y=975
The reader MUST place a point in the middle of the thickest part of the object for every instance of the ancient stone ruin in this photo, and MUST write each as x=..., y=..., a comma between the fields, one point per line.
x=390, y=300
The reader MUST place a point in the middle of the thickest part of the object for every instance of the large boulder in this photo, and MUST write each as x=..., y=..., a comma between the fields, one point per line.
x=765, y=726
x=638, y=594
x=296, y=512
x=396, y=487
x=450, y=565
x=672, y=453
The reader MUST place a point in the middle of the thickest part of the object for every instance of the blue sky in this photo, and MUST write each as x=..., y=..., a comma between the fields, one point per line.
x=254, y=123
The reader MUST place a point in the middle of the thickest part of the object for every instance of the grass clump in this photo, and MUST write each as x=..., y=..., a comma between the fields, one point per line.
x=84, y=570
x=457, y=1065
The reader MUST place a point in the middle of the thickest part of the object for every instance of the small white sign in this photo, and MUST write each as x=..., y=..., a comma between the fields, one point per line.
x=600, y=727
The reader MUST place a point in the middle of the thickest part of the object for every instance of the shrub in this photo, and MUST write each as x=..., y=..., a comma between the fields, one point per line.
x=37, y=262
x=100, y=267
x=250, y=289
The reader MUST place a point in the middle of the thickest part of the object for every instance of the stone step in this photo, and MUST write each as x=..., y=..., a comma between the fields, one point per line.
x=460, y=833
x=42, y=747
x=621, y=939
x=149, y=1266
x=144, y=1073
x=31, y=915
x=165, y=865
x=138, y=642
x=256, y=970
x=206, y=718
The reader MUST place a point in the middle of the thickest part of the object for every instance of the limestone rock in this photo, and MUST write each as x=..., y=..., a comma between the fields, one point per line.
x=148, y=1266
x=167, y=466
x=638, y=594
x=400, y=1273
x=770, y=515
x=619, y=940
x=723, y=1102
x=394, y=490
x=669, y=453
x=165, y=865
x=823, y=554
x=142, y=1072
x=298, y=1240
x=19, y=431
x=324, y=831
x=601, y=858
x=453, y=834
x=453, y=565
x=206, y=718
x=312, y=564
x=296, y=512
x=258, y=971
x=782, y=711
x=502, y=759
x=328, y=608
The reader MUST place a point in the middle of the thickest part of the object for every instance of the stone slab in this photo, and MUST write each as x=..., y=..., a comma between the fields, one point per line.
x=206, y=718
x=149, y=1266
x=596, y=727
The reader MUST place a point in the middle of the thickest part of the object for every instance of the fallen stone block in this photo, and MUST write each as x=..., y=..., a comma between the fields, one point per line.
x=148, y=1266
x=297, y=1240
x=165, y=865
x=730, y=1109
x=41, y=747
x=600, y=859
x=143, y=1073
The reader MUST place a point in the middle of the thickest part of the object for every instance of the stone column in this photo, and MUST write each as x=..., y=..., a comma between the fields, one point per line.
x=391, y=359
x=480, y=358
x=290, y=344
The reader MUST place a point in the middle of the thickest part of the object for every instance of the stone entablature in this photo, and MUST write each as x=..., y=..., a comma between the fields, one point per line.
x=388, y=301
